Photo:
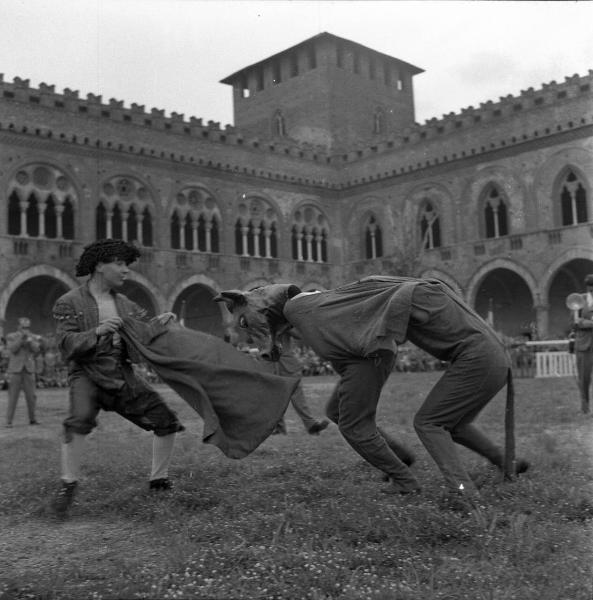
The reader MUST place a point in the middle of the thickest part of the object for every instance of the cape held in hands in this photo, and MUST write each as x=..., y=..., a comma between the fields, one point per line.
x=238, y=398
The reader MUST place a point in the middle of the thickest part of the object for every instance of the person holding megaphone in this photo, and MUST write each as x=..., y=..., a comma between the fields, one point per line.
x=583, y=340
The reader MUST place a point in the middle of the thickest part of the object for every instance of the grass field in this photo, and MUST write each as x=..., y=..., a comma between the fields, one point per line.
x=302, y=517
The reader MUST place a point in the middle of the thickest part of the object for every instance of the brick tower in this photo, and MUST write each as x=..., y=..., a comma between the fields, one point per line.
x=326, y=90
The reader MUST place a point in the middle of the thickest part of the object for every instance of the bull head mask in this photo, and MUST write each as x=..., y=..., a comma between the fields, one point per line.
x=259, y=313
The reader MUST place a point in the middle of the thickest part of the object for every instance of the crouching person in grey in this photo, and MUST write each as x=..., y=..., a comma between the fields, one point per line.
x=100, y=370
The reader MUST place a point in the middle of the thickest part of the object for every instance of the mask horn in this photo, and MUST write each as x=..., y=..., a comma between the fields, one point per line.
x=231, y=299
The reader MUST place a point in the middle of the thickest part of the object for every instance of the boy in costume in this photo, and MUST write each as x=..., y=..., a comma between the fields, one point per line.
x=100, y=372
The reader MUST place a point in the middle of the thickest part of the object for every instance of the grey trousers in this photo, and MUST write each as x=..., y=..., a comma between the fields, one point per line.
x=446, y=417
x=21, y=381
x=584, y=370
x=353, y=407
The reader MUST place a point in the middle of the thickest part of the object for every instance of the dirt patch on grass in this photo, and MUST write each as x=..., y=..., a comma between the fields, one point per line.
x=43, y=547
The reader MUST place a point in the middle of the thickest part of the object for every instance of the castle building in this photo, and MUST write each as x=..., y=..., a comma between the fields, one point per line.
x=325, y=178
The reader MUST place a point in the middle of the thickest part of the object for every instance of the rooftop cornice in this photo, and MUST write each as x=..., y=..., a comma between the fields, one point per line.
x=229, y=79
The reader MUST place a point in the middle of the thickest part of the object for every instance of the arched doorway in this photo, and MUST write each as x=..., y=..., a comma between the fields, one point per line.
x=504, y=298
x=139, y=295
x=197, y=309
x=567, y=280
x=34, y=299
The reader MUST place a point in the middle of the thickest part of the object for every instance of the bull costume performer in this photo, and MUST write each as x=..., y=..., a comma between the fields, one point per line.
x=100, y=375
x=357, y=327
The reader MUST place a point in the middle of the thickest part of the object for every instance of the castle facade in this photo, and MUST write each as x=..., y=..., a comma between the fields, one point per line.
x=324, y=178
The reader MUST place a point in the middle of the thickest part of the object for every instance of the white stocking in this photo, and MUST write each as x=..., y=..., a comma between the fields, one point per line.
x=162, y=450
x=71, y=458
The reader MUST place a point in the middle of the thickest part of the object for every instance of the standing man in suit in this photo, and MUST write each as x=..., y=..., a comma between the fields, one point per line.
x=583, y=344
x=22, y=347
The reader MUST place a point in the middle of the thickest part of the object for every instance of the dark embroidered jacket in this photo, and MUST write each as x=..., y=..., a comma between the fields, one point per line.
x=77, y=316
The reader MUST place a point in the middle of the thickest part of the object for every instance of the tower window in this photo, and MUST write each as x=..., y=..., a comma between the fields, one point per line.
x=294, y=64
x=340, y=56
x=276, y=73
x=259, y=79
x=312, y=56
x=356, y=62
x=386, y=73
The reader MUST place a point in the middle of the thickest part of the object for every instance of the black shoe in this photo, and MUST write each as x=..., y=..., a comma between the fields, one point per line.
x=318, y=427
x=160, y=484
x=33, y=422
x=64, y=498
x=521, y=466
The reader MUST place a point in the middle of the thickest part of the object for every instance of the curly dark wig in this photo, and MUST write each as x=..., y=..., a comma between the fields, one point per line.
x=105, y=251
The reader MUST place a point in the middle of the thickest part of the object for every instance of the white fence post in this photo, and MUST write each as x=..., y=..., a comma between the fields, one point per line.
x=556, y=363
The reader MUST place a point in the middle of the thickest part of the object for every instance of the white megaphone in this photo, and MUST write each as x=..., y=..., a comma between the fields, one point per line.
x=575, y=302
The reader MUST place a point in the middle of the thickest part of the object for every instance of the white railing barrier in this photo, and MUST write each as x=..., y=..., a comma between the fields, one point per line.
x=553, y=363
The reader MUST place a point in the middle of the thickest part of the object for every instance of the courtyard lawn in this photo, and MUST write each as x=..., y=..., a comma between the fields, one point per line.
x=302, y=517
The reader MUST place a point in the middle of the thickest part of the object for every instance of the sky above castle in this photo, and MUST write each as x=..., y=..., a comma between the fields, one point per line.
x=171, y=54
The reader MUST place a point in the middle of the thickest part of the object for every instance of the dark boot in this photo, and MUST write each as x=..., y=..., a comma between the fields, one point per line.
x=318, y=427
x=160, y=484
x=64, y=498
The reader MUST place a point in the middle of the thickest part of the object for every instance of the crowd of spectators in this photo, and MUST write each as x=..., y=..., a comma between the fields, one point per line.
x=51, y=372
x=50, y=369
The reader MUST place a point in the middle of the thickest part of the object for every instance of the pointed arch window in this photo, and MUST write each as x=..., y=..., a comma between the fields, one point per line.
x=188, y=226
x=309, y=235
x=256, y=238
x=39, y=199
x=14, y=214
x=239, y=237
x=214, y=236
x=279, y=124
x=573, y=200
x=175, y=235
x=495, y=214
x=378, y=121
x=116, y=223
x=373, y=239
x=250, y=239
x=49, y=218
x=68, y=220
x=201, y=230
x=32, y=217
x=101, y=222
x=294, y=243
x=132, y=224
x=146, y=227
x=430, y=227
x=128, y=213
x=195, y=221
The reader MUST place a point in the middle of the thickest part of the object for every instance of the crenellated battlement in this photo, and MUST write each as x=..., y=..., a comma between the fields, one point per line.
x=507, y=106
x=473, y=131
x=455, y=136
x=45, y=95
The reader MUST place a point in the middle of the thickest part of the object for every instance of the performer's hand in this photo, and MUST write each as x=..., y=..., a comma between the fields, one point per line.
x=165, y=318
x=110, y=325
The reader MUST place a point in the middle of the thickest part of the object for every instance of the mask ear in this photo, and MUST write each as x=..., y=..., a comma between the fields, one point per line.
x=293, y=291
x=231, y=299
